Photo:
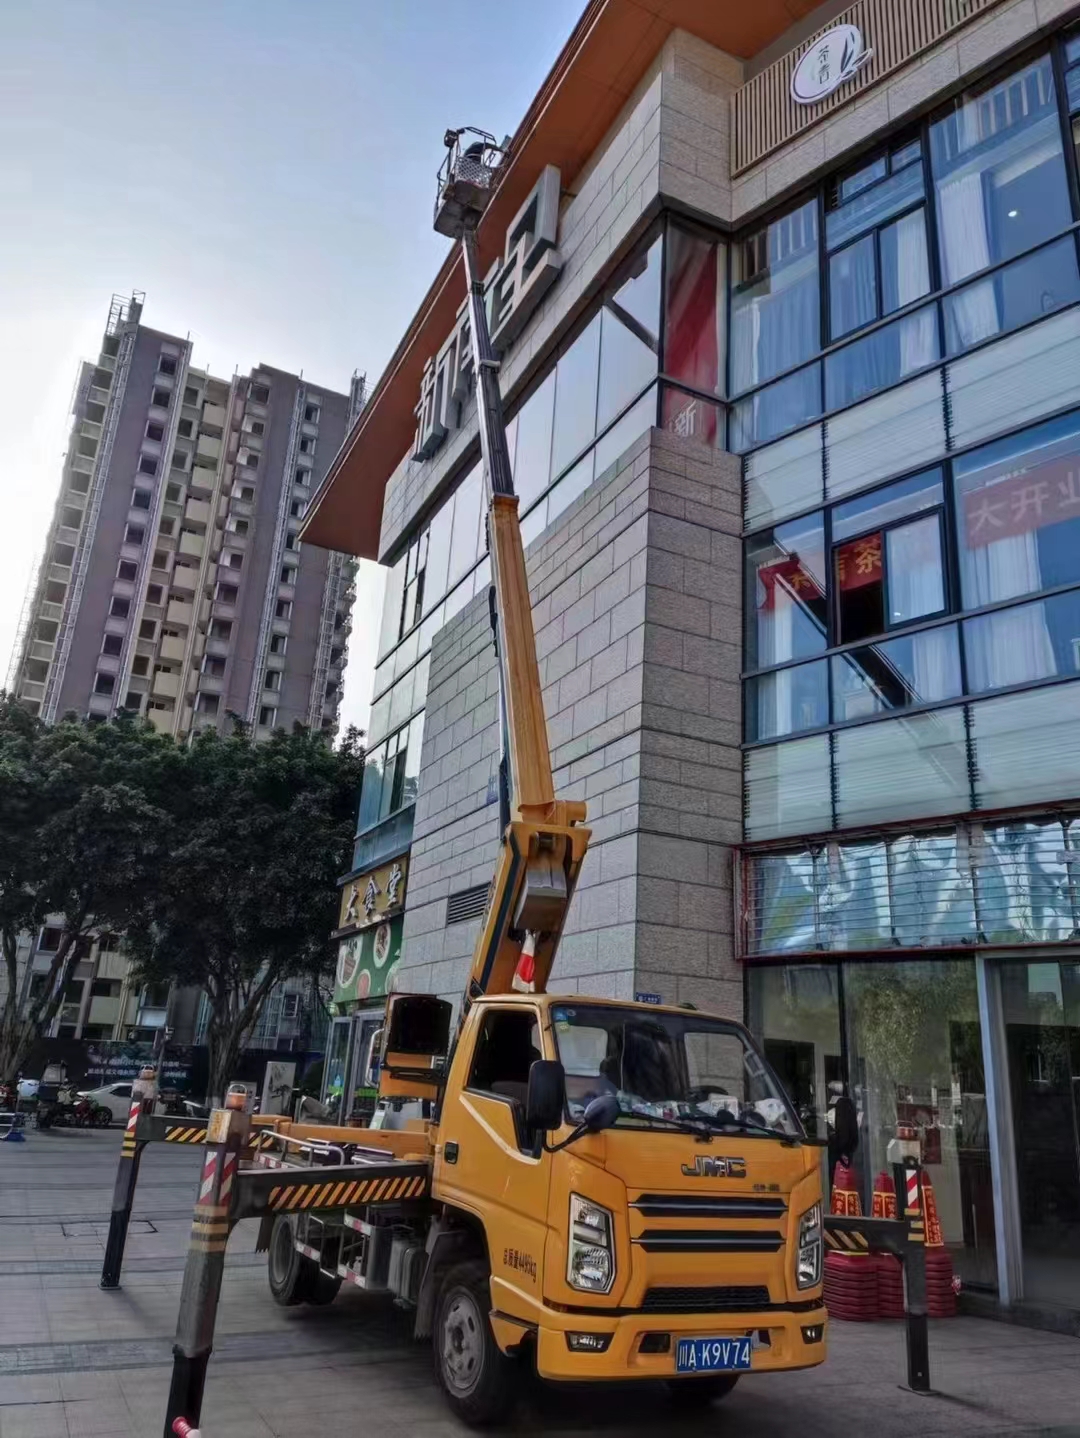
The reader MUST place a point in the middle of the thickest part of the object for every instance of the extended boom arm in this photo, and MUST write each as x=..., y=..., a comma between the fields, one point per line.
x=544, y=840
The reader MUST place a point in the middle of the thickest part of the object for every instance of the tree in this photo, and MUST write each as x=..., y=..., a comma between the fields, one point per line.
x=247, y=894
x=85, y=813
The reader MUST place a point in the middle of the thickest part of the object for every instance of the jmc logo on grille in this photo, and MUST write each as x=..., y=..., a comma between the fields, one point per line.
x=715, y=1168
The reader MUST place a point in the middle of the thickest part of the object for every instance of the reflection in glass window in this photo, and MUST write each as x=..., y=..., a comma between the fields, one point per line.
x=572, y=484
x=920, y=668
x=1024, y=888
x=794, y=1010
x=787, y=701
x=532, y=460
x=1024, y=644
x=1018, y=516
x=630, y=335
x=465, y=540
x=999, y=171
x=575, y=397
x=438, y=554
x=788, y=789
x=1024, y=291
x=883, y=358
x=786, y=615
x=775, y=314
x=1025, y=746
x=877, y=239
x=613, y=445
x=691, y=417
x=903, y=768
x=393, y=598
x=915, y=1056
x=695, y=313
x=886, y=505
x=775, y=410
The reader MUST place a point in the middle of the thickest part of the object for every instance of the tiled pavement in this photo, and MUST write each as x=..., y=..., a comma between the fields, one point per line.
x=75, y=1360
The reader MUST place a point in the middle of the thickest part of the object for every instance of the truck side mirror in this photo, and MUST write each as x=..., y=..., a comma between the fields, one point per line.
x=601, y=1113
x=545, y=1099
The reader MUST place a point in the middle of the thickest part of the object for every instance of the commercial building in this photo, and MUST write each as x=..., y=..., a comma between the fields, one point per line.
x=173, y=583
x=788, y=306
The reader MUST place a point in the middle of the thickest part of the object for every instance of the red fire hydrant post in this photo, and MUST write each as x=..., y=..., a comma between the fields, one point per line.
x=143, y=1096
x=226, y=1135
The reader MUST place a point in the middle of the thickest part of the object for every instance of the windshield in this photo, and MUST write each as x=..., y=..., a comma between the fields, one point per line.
x=669, y=1067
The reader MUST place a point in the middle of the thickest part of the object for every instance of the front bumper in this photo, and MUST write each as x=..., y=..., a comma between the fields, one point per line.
x=786, y=1347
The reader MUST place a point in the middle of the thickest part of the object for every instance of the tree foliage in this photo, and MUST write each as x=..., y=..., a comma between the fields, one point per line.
x=215, y=862
x=83, y=823
x=248, y=894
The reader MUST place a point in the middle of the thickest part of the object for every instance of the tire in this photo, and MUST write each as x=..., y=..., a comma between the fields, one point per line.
x=284, y=1266
x=102, y=1118
x=475, y=1376
x=318, y=1288
x=693, y=1393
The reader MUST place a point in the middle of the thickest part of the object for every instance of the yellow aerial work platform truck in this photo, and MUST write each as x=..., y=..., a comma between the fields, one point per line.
x=608, y=1190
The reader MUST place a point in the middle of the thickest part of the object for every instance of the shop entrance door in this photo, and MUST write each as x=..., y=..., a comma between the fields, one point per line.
x=1042, y=1027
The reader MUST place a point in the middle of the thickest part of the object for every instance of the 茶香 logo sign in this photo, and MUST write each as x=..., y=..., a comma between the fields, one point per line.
x=831, y=60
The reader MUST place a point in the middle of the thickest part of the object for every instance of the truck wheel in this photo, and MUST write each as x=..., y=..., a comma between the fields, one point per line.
x=285, y=1265
x=472, y=1371
x=318, y=1288
x=689, y=1393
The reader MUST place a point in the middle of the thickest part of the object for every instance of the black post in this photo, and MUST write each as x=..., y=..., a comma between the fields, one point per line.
x=918, y=1337
x=210, y=1228
x=127, y=1176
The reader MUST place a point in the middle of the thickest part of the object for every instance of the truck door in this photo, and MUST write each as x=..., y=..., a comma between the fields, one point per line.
x=489, y=1163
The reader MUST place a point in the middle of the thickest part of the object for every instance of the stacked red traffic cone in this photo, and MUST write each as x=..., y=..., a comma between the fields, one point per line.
x=850, y=1278
x=940, y=1278
x=890, y=1271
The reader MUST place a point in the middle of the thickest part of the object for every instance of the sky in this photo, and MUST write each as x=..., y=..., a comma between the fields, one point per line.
x=262, y=169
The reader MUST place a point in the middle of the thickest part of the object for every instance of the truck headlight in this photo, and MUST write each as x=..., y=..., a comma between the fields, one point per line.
x=808, y=1264
x=590, y=1263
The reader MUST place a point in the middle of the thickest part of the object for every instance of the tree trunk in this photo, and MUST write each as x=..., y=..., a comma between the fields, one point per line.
x=233, y=1016
x=19, y=1033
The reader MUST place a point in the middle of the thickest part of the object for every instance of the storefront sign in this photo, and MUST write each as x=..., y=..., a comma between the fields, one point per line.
x=830, y=61
x=1023, y=500
x=367, y=962
x=859, y=563
x=791, y=578
x=513, y=289
x=374, y=897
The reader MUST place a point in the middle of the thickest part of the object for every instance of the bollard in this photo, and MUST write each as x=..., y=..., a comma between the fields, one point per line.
x=226, y=1135
x=143, y=1096
x=907, y=1179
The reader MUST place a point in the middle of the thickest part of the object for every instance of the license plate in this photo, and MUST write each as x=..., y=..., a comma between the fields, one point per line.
x=712, y=1355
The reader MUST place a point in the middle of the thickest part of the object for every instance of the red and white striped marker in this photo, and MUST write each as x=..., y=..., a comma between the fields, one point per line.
x=228, y=1169
x=133, y=1117
x=912, y=1177
x=208, y=1173
x=183, y=1429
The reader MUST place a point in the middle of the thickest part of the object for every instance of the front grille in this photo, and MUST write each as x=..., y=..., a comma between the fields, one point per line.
x=709, y=1240
x=707, y=1205
x=731, y=1299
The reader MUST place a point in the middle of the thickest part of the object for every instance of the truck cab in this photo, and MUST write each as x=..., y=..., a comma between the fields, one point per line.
x=642, y=1199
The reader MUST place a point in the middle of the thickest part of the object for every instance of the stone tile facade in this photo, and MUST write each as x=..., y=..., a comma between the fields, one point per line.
x=636, y=606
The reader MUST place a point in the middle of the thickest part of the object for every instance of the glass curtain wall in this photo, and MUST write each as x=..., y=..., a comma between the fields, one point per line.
x=992, y=169
x=903, y=1042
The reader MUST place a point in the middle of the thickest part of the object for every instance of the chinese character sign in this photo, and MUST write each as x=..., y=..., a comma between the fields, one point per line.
x=1019, y=501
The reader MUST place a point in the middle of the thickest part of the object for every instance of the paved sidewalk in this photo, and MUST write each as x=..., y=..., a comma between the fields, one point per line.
x=75, y=1360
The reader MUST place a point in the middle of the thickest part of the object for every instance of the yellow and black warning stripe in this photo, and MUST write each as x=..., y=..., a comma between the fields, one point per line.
x=180, y=1133
x=846, y=1242
x=209, y=1236
x=288, y=1197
